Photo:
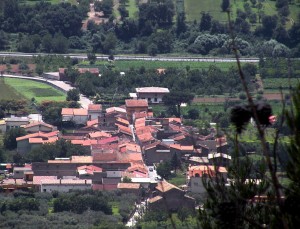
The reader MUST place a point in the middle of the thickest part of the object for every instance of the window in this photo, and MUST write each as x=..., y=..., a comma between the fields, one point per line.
x=44, y=190
x=155, y=99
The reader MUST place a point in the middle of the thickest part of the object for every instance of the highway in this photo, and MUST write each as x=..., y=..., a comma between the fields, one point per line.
x=136, y=57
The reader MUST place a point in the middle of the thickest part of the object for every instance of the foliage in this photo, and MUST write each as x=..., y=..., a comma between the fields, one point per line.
x=60, y=149
x=177, y=98
x=164, y=169
x=10, y=136
x=73, y=95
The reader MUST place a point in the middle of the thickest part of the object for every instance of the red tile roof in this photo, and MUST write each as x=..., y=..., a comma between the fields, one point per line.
x=95, y=107
x=164, y=186
x=74, y=111
x=99, y=134
x=92, y=122
x=129, y=186
x=136, y=103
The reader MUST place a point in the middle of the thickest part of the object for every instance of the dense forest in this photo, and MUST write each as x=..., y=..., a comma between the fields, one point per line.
x=159, y=27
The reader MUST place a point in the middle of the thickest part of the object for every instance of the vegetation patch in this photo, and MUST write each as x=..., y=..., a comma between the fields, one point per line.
x=7, y=92
x=32, y=89
x=277, y=83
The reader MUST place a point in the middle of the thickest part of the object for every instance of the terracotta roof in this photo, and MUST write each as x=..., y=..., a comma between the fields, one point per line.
x=205, y=169
x=66, y=182
x=84, y=142
x=152, y=145
x=130, y=146
x=37, y=124
x=164, y=186
x=92, y=122
x=145, y=137
x=181, y=147
x=81, y=159
x=37, y=180
x=123, y=121
x=178, y=120
x=131, y=157
x=152, y=90
x=95, y=107
x=124, y=130
x=108, y=140
x=38, y=134
x=136, y=103
x=115, y=109
x=74, y=111
x=105, y=157
x=91, y=70
x=88, y=169
x=140, y=122
x=99, y=134
x=155, y=199
x=129, y=186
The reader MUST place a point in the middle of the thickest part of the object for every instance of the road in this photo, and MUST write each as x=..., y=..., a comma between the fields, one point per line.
x=131, y=57
x=84, y=102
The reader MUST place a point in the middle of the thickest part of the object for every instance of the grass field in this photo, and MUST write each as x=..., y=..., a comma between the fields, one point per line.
x=7, y=92
x=276, y=83
x=31, y=2
x=193, y=9
x=132, y=9
x=32, y=89
x=124, y=65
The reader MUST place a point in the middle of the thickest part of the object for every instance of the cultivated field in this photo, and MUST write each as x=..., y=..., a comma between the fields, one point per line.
x=7, y=92
x=31, y=89
x=124, y=65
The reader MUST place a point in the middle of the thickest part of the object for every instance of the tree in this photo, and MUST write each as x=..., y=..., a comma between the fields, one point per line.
x=193, y=114
x=92, y=57
x=205, y=22
x=3, y=40
x=10, y=136
x=180, y=23
x=225, y=5
x=126, y=179
x=164, y=169
x=73, y=95
x=175, y=162
x=176, y=98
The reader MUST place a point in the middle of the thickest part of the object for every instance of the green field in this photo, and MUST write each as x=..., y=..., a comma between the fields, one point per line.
x=276, y=83
x=125, y=65
x=31, y=2
x=193, y=9
x=32, y=89
x=132, y=9
x=7, y=92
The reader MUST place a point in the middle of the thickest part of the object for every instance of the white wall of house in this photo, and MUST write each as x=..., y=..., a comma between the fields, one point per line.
x=94, y=115
x=151, y=97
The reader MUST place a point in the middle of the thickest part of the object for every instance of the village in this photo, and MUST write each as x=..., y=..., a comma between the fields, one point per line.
x=126, y=145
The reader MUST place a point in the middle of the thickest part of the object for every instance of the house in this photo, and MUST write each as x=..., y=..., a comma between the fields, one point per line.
x=134, y=105
x=152, y=94
x=196, y=174
x=170, y=198
x=133, y=188
x=76, y=115
x=16, y=122
x=65, y=185
x=94, y=111
x=30, y=141
x=157, y=152
x=19, y=172
x=39, y=127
